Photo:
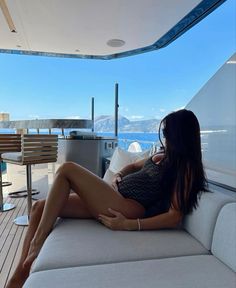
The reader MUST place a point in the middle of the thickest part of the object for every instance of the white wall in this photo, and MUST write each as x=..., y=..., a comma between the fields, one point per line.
x=215, y=107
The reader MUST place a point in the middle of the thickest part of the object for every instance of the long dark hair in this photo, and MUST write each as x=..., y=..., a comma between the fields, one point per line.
x=183, y=168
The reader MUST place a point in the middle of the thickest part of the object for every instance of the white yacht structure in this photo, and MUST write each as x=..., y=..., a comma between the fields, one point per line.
x=96, y=29
x=202, y=253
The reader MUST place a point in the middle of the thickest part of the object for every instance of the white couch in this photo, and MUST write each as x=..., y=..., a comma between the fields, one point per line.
x=84, y=254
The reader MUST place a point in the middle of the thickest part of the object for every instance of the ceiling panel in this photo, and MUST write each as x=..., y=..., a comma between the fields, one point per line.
x=83, y=27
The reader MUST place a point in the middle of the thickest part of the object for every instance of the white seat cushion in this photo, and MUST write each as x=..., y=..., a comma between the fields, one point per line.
x=108, y=176
x=202, y=271
x=12, y=156
x=87, y=242
x=224, y=238
x=120, y=159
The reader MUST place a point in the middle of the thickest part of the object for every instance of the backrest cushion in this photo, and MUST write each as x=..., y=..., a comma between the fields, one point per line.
x=108, y=176
x=224, y=237
x=120, y=159
x=201, y=222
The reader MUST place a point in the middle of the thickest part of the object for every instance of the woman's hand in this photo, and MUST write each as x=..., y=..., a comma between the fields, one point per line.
x=115, y=223
x=117, y=178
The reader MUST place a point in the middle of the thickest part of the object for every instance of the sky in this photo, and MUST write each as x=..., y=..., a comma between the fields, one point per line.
x=150, y=85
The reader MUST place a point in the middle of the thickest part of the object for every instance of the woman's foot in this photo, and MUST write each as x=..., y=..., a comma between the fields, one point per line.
x=18, y=279
x=32, y=254
x=16, y=282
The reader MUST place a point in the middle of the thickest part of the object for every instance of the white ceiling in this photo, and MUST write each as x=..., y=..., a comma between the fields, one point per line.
x=59, y=26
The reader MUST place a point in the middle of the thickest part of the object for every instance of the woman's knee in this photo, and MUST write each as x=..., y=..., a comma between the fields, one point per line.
x=66, y=167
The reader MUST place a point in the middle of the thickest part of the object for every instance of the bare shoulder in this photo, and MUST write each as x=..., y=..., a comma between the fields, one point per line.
x=157, y=157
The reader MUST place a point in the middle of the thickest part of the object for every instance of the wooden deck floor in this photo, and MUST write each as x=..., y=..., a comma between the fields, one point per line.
x=11, y=235
x=11, y=239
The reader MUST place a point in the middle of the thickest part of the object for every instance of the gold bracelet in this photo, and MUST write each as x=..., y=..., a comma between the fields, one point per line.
x=139, y=224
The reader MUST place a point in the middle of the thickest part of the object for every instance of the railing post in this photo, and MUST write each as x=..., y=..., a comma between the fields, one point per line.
x=116, y=108
x=92, y=113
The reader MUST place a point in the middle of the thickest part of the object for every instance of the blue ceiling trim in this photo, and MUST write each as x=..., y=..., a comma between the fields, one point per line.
x=203, y=9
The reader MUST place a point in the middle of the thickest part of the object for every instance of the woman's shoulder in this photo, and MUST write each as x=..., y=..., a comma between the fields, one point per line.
x=156, y=158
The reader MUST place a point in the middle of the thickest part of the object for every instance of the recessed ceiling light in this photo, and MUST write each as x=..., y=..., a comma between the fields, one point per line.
x=115, y=43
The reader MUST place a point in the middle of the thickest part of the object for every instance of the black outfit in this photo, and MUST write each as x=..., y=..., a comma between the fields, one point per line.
x=145, y=187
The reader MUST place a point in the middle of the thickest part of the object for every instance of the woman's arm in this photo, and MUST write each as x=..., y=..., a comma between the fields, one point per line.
x=136, y=166
x=170, y=219
x=131, y=168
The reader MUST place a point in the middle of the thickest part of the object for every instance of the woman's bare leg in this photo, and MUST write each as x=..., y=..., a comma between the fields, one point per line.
x=97, y=195
x=20, y=274
x=74, y=208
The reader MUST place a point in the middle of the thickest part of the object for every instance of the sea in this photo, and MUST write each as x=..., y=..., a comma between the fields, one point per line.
x=146, y=140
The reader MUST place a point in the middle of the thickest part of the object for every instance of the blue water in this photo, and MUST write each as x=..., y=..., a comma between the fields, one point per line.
x=146, y=140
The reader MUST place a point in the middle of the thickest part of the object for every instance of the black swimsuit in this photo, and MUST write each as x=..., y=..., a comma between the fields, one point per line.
x=144, y=186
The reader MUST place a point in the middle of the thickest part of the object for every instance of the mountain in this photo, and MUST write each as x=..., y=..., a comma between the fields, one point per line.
x=106, y=123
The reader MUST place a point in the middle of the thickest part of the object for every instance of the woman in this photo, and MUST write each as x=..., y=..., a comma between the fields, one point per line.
x=150, y=194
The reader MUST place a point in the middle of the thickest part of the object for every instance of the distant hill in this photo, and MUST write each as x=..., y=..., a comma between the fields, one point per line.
x=106, y=123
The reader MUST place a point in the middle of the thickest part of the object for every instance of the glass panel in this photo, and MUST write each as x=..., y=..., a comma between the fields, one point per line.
x=215, y=107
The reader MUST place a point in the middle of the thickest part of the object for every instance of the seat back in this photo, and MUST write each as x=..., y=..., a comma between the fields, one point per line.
x=38, y=148
x=201, y=222
x=224, y=237
x=10, y=143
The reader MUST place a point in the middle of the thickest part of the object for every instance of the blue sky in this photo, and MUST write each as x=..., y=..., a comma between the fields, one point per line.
x=150, y=85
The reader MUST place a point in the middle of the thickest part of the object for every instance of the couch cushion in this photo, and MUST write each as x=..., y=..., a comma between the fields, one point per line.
x=13, y=156
x=108, y=176
x=224, y=237
x=120, y=159
x=182, y=272
x=201, y=223
x=87, y=242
